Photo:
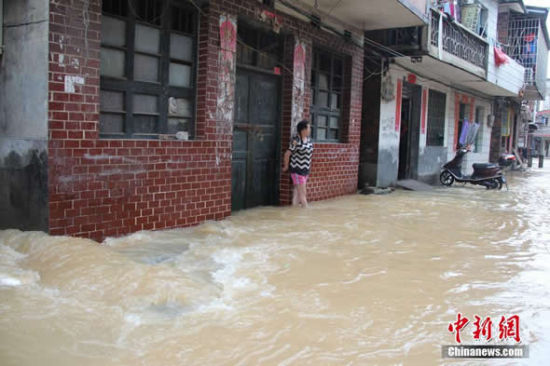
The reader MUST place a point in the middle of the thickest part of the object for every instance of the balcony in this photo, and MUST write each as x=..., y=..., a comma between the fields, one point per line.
x=535, y=75
x=527, y=43
x=452, y=42
x=447, y=51
x=444, y=40
x=457, y=40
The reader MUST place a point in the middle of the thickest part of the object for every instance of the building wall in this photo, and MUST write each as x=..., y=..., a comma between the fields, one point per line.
x=23, y=116
x=100, y=188
x=431, y=158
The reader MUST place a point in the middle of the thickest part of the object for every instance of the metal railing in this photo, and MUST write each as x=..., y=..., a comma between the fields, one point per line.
x=527, y=46
x=457, y=40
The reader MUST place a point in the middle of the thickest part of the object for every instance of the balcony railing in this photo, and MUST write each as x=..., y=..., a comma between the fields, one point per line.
x=457, y=40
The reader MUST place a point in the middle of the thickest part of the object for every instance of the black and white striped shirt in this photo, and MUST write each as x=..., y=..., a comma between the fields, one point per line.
x=300, y=160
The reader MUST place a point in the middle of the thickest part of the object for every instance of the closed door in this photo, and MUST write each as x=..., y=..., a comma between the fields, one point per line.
x=255, y=161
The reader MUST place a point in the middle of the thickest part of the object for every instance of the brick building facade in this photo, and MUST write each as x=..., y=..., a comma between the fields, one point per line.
x=106, y=186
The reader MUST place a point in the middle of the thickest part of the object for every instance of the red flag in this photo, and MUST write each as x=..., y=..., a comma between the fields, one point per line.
x=500, y=57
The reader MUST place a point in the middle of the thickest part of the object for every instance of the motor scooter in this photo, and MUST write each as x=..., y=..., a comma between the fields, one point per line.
x=487, y=174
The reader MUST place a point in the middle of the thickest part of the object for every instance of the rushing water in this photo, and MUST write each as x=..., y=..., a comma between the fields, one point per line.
x=357, y=280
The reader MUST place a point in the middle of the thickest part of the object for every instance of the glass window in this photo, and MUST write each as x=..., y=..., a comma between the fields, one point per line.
x=112, y=101
x=180, y=75
x=436, y=118
x=112, y=63
x=147, y=82
x=113, y=31
x=181, y=47
x=327, y=77
x=146, y=68
x=147, y=39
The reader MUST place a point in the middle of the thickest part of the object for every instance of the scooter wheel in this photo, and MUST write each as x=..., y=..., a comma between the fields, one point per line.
x=446, y=178
x=499, y=184
x=493, y=184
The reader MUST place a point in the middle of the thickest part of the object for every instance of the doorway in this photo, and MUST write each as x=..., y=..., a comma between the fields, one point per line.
x=409, y=136
x=255, y=164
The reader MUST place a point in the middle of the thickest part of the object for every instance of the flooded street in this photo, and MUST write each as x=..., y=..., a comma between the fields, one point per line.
x=358, y=280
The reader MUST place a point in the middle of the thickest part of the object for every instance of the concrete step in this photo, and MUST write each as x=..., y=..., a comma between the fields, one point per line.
x=414, y=185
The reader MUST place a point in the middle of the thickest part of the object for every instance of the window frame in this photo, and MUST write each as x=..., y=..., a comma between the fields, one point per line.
x=161, y=89
x=431, y=98
x=250, y=38
x=327, y=111
x=479, y=117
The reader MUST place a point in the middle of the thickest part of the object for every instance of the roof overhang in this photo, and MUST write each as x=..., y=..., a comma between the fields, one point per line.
x=515, y=5
x=449, y=74
x=365, y=15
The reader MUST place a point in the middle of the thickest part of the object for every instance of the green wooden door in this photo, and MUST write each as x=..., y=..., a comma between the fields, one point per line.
x=255, y=164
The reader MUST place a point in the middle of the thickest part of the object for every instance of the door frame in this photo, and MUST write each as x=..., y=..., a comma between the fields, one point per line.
x=412, y=92
x=277, y=135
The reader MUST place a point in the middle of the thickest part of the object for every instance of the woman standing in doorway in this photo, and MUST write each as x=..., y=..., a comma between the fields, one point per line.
x=299, y=154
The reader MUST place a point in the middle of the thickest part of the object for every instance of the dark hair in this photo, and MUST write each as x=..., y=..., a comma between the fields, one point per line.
x=302, y=125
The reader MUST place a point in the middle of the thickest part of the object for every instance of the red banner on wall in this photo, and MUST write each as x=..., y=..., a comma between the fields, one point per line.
x=398, y=104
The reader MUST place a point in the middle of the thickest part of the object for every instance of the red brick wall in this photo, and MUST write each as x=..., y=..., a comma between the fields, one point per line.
x=100, y=188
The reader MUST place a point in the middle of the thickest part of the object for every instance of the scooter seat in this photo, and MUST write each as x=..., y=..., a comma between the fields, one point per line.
x=485, y=166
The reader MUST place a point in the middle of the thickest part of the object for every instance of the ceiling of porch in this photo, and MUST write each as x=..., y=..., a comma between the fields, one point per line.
x=370, y=14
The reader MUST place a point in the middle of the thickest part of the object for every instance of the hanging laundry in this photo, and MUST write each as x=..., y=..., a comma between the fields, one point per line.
x=449, y=7
x=472, y=133
x=464, y=132
x=530, y=48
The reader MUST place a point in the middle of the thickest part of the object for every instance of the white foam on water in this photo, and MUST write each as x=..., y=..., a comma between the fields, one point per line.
x=9, y=281
x=133, y=319
x=229, y=259
x=11, y=275
x=450, y=274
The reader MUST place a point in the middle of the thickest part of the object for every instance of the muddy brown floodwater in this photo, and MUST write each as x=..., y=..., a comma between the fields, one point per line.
x=359, y=280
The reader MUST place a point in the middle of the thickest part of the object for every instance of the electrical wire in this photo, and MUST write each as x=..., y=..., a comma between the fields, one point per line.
x=369, y=41
x=334, y=7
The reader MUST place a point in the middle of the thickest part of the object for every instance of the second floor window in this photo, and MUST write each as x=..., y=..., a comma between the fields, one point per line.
x=148, y=62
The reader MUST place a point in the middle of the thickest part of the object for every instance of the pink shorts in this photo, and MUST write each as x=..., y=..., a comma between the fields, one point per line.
x=298, y=179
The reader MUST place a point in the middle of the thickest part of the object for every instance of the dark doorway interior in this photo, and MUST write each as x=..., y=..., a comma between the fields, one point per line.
x=409, y=132
x=461, y=119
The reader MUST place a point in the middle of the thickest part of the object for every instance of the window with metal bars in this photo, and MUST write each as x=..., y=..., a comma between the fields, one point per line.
x=327, y=82
x=148, y=63
x=436, y=118
x=522, y=39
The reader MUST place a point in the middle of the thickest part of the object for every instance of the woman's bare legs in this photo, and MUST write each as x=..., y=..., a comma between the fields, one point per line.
x=295, y=195
x=302, y=195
